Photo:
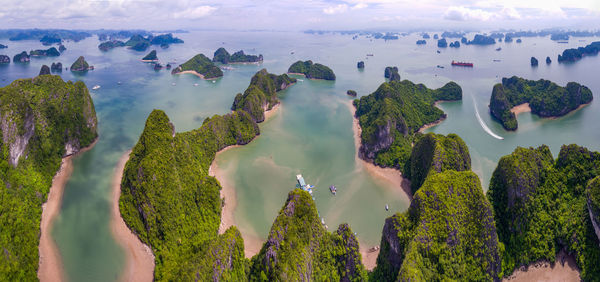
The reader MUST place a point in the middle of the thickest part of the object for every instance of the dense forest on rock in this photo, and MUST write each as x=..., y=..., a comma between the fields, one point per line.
x=545, y=98
x=312, y=70
x=43, y=119
x=201, y=65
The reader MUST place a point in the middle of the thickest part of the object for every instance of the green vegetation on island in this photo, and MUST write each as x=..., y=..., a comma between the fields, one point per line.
x=151, y=56
x=21, y=58
x=200, y=64
x=140, y=43
x=4, y=59
x=545, y=98
x=108, y=45
x=80, y=65
x=51, y=52
x=482, y=40
x=300, y=248
x=447, y=234
x=223, y=57
x=534, y=62
x=392, y=73
x=261, y=95
x=573, y=55
x=312, y=71
x=44, y=70
x=391, y=117
x=351, y=93
x=43, y=120
x=540, y=207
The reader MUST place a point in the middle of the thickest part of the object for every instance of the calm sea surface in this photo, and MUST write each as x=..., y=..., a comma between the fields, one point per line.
x=311, y=133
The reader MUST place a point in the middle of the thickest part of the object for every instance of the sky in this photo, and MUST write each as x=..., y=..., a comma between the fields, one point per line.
x=397, y=15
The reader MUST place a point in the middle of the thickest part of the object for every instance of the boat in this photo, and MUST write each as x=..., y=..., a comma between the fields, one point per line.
x=96, y=87
x=303, y=185
x=440, y=67
x=333, y=189
x=438, y=51
x=214, y=81
x=119, y=83
x=323, y=221
x=497, y=60
x=369, y=55
x=499, y=48
x=195, y=84
x=462, y=64
x=387, y=208
x=173, y=83
x=374, y=249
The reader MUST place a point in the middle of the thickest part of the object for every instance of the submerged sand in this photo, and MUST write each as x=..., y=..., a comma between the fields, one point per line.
x=50, y=266
x=564, y=269
x=139, y=265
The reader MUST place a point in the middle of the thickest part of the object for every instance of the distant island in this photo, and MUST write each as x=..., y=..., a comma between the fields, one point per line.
x=442, y=43
x=391, y=73
x=312, y=71
x=108, y=45
x=55, y=119
x=482, y=40
x=4, y=59
x=360, y=65
x=44, y=70
x=21, y=58
x=351, y=93
x=51, y=52
x=534, y=62
x=56, y=67
x=261, y=94
x=455, y=44
x=138, y=42
x=223, y=57
x=543, y=97
x=2, y=46
x=151, y=57
x=421, y=42
x=391, y=117
x=80, y=65
x=200, y=66
x=573, y=55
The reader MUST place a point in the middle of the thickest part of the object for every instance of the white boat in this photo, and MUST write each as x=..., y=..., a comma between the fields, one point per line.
x=214, y=81
x=195, y=84
x=96, y=87
x=387, y=208
x=173, y=83
x=323, y=221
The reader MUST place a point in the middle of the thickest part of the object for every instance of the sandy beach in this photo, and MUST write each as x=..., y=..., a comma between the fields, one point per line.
x=50, y=265
x=563, y=270
x=196, y=74
x=523, y=108
x=430, y=125
x=139, y=265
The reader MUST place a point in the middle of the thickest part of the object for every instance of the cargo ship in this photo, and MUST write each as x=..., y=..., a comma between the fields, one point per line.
x=462, y=64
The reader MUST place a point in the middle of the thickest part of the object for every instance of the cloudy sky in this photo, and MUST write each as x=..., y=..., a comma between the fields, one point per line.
x=300, y=14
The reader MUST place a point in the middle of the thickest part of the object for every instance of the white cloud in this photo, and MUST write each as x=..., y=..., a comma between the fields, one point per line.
x=467, y=14
x=337, y=9
x=359, y=6
x=194, y=13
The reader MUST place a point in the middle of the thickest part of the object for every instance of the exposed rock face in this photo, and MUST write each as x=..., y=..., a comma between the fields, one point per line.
x=4, y=59
x=593, y=204
x=17, y=141
x=45, y=70
x=21, y=58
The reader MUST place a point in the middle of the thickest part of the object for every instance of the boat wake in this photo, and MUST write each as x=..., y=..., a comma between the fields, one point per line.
x=483, y=125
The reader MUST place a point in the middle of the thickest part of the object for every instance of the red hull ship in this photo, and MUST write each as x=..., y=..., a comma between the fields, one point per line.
x=462, y=64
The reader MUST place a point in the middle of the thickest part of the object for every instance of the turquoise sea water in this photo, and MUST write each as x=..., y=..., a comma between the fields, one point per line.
x=310, y=134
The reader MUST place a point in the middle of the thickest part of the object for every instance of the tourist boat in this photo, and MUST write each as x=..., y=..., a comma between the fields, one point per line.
x=462, y=64
x=369, y=55
x=497, y=60
x=438, y=51
x=374, y=249
x=96, y=87
x=322, y=220
x=499, y=48
x=387, y=208
x=440, y=67
x=195, y=84
x=173, y=83
x=333, y=189
x=303, y=185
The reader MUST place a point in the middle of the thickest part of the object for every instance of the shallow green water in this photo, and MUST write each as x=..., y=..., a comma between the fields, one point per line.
x=311, y=134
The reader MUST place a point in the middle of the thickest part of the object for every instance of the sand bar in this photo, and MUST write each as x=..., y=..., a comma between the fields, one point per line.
x=564, y=269
x=50, y=266
x=139, y=265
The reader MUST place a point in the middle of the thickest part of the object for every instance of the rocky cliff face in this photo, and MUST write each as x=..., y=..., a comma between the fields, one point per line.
x=593, y=204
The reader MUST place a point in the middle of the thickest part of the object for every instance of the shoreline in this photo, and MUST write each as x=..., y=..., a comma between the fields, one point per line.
x=149, y=61
x=563, y=268
x=196, y=74
x=437, y=122
x=252, y=244
x=139, y=264
x=50, y=267
x=519, y=109
x=369, y=259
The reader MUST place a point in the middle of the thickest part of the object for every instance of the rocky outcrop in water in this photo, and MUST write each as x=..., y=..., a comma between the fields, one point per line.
x=534, y=62
x=21, y=58
x=360, y=65
x=351, y=93
x=4, y=59
x=442, y=43
x=56, y=67
x=51, y=52
x=44, y=70
x=80, y=65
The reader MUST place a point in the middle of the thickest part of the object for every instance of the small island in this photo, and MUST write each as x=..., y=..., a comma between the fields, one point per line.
x=442, y=43
x=108, y=45
x=360, y=65
x=44, y=70
x=4, y=59
x=543, y=98
x=200, y=66
x=51, y=52
x=573, y=55
x=2, y=46
x=21, y=58
x=534, y=62
x=80, y=65
x=482, y=40
x=455, y=44
x=351, y=93
x=391, y=73
x=138, y=42
x=151, y=57
x=421, y=42
x=312, y=71
x=56, y=67
x=62, y=48
x=519, y=40
x=548, y=60
x=223, y=57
